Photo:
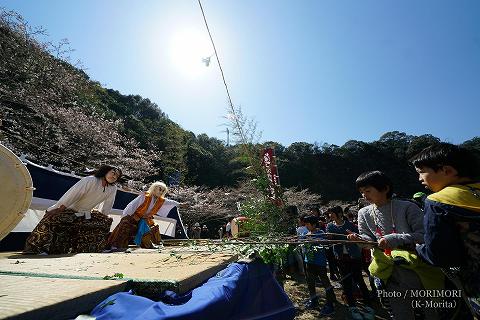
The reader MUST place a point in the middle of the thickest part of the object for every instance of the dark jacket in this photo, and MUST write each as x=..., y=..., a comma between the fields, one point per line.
x=452, y=232
x=353, y=250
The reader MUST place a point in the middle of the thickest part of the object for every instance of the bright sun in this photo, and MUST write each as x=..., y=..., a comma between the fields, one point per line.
x=187, y=49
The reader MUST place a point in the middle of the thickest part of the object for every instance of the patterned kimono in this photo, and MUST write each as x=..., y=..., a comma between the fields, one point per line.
x=141, y=210
x=77, y=228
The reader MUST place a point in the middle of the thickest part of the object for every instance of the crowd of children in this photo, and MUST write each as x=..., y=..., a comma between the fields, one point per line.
x=425, y=253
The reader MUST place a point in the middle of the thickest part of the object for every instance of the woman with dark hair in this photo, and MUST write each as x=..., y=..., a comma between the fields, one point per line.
x=78, y=222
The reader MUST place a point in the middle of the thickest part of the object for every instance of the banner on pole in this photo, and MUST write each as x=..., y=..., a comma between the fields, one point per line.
x=270, y=166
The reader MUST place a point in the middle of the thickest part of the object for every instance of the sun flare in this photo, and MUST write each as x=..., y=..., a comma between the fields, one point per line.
x=187, y=49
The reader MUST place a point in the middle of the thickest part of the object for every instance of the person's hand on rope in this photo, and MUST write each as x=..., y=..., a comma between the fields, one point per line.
x=383, y=244
x=353, y=236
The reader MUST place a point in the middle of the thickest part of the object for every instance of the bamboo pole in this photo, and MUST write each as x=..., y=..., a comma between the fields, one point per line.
x=246, y=242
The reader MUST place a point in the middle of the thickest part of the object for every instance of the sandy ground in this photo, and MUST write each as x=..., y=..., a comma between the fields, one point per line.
x=296, y=289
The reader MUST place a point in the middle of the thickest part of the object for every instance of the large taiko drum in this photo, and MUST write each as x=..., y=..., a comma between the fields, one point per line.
x=16, y=190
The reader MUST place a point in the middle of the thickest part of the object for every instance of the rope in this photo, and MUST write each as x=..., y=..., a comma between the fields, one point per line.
x=278, y=241
x=76, y=277
x=230, y=102
x=46, y=275
x=221, y=70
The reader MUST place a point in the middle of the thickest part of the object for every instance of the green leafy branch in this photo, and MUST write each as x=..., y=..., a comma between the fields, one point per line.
x=116, y=276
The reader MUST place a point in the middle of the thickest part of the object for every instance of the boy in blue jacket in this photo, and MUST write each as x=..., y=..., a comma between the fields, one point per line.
x=316, y=267
x=348, y=257
x=452, y=212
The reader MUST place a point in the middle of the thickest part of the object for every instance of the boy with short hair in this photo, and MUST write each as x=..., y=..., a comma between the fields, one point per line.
x=452, y=212
x=395, y=224
x=316, y=267
x=301, y=229
x=298, y=251
x=348, y=257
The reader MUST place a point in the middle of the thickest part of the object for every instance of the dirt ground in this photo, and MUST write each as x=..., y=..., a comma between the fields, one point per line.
x=296, y=288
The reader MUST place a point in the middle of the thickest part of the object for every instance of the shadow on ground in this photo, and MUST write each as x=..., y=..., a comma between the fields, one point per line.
x=296, y=289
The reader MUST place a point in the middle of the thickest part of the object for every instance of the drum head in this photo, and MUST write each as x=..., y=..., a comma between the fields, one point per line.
x=16, y=190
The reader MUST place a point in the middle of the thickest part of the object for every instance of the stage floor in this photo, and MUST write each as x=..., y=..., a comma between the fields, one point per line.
x=49, y=287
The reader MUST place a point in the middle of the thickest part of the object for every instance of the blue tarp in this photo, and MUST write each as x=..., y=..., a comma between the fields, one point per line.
x=240, y=291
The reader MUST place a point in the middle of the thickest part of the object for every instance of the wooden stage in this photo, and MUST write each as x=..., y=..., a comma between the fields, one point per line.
x=64, y=286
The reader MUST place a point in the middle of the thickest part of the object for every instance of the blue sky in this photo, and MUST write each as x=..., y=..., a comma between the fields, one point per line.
x=313, y=71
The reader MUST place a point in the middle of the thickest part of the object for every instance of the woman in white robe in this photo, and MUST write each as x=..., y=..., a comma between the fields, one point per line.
x=79, y=221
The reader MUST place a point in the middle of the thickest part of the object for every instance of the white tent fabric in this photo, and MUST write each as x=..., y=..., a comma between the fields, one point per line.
x=30, y=210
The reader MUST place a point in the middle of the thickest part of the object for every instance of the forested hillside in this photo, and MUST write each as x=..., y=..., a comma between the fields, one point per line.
x=53, y=112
